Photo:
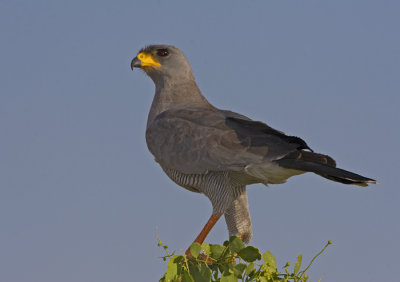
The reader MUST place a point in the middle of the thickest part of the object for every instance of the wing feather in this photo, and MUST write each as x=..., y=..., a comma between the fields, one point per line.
x=193, y=140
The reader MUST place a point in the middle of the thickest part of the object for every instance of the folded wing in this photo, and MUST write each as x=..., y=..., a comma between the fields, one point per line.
x=193, y=140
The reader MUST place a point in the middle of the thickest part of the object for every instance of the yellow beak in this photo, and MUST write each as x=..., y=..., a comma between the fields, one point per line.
x=144, y=59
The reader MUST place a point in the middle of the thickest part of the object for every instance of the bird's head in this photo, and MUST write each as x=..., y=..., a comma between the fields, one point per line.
x=162, y=62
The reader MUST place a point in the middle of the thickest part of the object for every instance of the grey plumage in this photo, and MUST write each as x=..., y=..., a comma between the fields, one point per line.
x=217, y=152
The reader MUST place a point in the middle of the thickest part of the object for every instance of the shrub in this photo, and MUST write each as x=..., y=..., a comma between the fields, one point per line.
x=230, y=262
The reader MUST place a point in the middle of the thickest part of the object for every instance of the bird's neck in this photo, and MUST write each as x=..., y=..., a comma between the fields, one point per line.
x=180, y=94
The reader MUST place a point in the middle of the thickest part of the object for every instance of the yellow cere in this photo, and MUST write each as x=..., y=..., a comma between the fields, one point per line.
x=148, y=60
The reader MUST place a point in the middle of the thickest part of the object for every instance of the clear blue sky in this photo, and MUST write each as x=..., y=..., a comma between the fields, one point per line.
x=81, y=196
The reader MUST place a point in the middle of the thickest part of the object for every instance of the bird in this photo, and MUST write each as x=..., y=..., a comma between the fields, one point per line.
x=217, y=152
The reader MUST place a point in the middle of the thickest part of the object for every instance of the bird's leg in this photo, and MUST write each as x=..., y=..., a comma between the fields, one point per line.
x=204, y=232
x=207, y=228
x=237, y=218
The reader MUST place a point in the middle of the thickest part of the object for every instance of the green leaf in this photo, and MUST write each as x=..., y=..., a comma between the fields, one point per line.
x=200, y=272
x=178, y=258
x=206, y=248
x=216, y=251
x=195, y=249
x=172, y=270
x=236, y=243
x=224, y=268
x=298, y=264
x=249, y=254
x=229, y=278
x=269, y=259
x=250, y=268
x=238, y=269
x=186, y=277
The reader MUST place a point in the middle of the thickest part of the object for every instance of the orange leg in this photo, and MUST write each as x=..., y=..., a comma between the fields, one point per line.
x=206, y=229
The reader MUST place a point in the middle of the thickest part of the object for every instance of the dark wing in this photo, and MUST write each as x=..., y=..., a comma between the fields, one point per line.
x=257, y=133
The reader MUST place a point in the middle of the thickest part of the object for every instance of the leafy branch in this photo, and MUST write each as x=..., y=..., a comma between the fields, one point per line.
x=230, y=262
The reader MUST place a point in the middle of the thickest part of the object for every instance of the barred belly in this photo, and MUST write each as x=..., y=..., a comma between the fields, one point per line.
x=221, y=187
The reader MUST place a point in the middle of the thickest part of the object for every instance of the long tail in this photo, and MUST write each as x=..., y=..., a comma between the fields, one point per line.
x=324, y=166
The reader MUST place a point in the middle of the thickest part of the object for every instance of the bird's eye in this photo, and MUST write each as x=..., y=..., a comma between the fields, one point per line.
x=162, y=52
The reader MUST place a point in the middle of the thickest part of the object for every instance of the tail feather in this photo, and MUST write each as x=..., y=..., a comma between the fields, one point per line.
x=324, y=166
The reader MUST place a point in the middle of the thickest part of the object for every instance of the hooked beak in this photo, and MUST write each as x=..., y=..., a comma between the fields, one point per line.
x=136, y=63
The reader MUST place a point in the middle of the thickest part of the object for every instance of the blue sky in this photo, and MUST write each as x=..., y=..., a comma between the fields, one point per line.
x=81, y=196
